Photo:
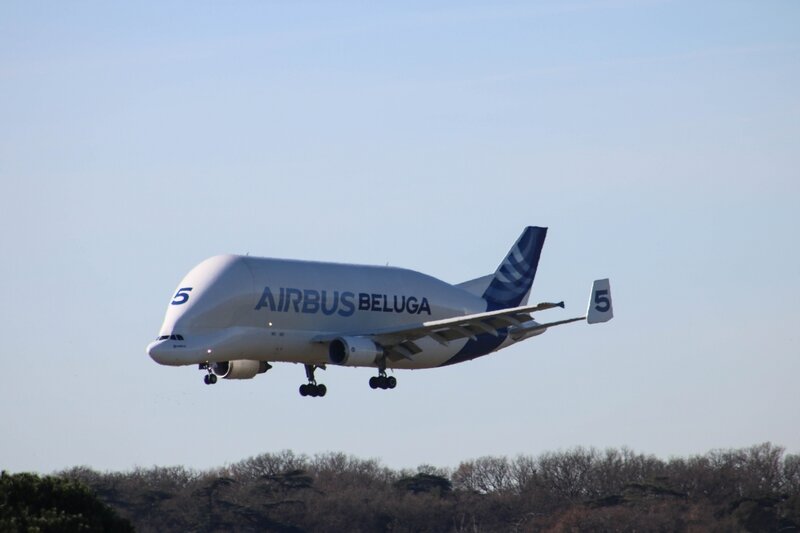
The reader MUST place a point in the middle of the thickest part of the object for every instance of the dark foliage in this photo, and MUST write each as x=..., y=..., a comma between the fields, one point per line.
x=752, y=489
x=32, y=503
x=425, y=483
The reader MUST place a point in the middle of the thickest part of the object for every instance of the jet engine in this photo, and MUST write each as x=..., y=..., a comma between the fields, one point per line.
x=240, y=369
x=354, y=351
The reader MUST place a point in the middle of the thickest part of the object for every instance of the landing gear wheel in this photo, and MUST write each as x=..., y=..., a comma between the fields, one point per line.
x=210, y=378
x=382, y=381
x=312, y=388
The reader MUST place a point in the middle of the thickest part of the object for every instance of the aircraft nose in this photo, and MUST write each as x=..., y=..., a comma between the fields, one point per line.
x=156, y=350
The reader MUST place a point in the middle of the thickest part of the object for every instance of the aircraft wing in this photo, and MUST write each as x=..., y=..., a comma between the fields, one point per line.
x=526, y=331
x=399, y=342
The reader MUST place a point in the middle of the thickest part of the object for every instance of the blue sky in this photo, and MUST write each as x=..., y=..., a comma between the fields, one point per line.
x=657, y=140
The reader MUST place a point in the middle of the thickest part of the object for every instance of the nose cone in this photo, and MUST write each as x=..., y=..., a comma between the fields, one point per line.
x=158, y=351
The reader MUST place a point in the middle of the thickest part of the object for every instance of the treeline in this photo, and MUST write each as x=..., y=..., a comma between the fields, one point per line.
x=752, y=489
x=32, y=503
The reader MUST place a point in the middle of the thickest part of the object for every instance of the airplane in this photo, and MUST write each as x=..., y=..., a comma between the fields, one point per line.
x=234, y=315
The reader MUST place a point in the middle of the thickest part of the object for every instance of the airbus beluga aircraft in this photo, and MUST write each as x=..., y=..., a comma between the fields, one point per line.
x=234, y=315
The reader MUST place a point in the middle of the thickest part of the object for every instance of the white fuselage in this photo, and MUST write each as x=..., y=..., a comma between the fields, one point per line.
x=233, y=307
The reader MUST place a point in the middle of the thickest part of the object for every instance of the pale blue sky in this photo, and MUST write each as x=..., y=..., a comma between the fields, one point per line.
x=659, y=141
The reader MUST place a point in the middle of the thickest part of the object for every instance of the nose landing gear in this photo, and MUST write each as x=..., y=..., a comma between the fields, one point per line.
x=210, y=378
x=312, y=388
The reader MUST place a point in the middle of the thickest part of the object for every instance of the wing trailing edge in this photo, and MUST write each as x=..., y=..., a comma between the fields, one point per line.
x=400, y=341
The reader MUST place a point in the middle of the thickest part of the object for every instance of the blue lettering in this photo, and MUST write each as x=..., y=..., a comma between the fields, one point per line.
x=267, y=300
x=348, y=306
x=293, y=297
x=281, y=297
x=376, y=304
x=425, y=306
x=330, y=310
x=310, y=301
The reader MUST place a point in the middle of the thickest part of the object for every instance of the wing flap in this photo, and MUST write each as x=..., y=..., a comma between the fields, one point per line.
x=519, y=334
x=469, y=326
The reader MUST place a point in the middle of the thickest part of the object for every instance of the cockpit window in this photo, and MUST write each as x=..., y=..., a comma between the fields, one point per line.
x=172, y=337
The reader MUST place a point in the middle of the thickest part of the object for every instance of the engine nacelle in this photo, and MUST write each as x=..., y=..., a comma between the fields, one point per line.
x=354, y=351
x=240, y=369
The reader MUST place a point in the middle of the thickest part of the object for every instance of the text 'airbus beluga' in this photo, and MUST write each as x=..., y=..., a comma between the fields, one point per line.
x=234, y=315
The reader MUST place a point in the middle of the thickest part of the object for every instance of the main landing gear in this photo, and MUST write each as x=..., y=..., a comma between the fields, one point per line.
x=211, y=377
x=382, y=381
x=311, y=388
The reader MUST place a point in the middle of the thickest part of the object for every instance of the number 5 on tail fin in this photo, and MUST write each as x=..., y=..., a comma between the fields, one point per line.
x=600, y=308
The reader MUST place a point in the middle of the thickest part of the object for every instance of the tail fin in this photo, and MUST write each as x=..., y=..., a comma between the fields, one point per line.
x=513, y=279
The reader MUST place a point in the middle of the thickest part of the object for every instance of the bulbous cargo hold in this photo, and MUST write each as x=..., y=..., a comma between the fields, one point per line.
x=230, y=290
x=215, y=294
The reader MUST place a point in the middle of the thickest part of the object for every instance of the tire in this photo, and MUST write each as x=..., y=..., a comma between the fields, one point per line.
x=391, y=382
x=373, y=382
x=304, y=390
x=322, y=390
x=212, y=378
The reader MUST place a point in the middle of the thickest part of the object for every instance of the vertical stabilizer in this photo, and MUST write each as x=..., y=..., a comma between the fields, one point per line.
x=514, y=277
